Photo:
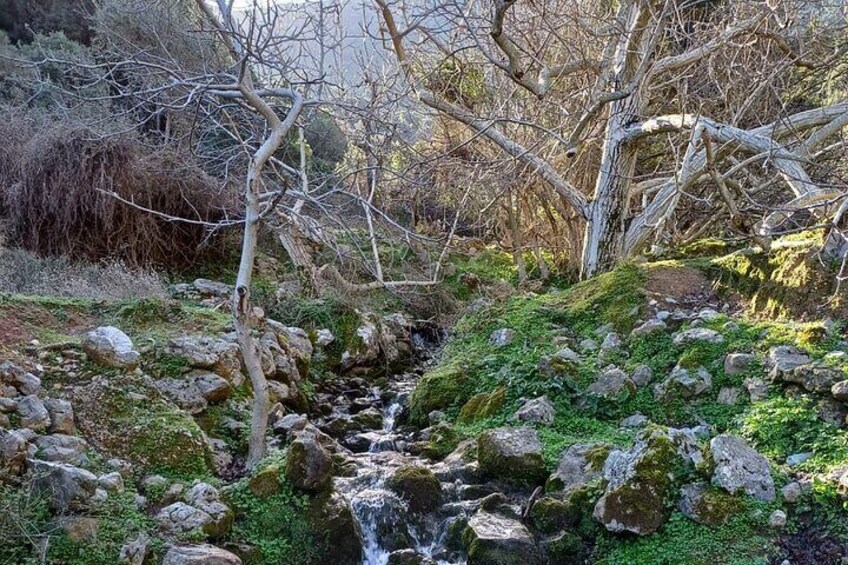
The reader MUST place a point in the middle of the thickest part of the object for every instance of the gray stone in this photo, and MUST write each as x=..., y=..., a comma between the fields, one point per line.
x=494, y=539
x=738, y=467
x=26, y=383
x=792, y=492
x=134, y=552
x=8, y=405
x=707, y=314
x=840, y=391
x=814, y=377
x=214, y=388
x=683, y=383
x=729, y=395
x=588, y=345
x=697, y=334
x=13, y=452
x=538, y=410
x=502, y=337
x=205, y=497
x=777, y=519
x=61, y=416
x=784, y=359
x=663, y=315
x=612, y=382
x=797, y=458
x=649, y=327
x=33, y=413
x=611, y=341
x=695, y=505
x=200, y=555
x=111, y=482
x=309, y=464
x=642, y=375
x=110, y=346
x=184, y=393
x=212, y=288
x=66, y=487
x=757, y=389
x=738, y=363
x=512, y=454
x=578, y=465
x=568, y=354
x=324, y=337
x=635, y=421
x=180, y=518
x=202, y=351
x=60, y=448
x=290, y=424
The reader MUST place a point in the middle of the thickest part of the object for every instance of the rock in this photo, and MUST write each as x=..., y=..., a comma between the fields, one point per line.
x=33, y=413
x=60, y=448
x=797, y=458
x=840, y=391
x=611, y=341
x=757, y=389
x=110, y=346
x=502, y=337
x=738, y=363
x=184, y=394
x=697, y=334
x=511, y=454
x=578, y=465
x=8, y=405
x=792, y=492
x=61, y=416
x=309, y=464
x=588, y=345
x=537, y=411
x=212, y=387
x=206, y=352
x=683, y=383
x=566, y=548
x=482, y=405
x=206, y=498
x=649, y=327
x=111, y=482
x=134, y=552
x=728, y=395
x=421, y=490
x=265, y=483
x=290, y=424
x=370, y=419
x=832, y=411
x=13, y=452
x=738, y=467
x=568, y=354
x=222, y=459
x=66, y=487
x=493, y=539
x=26, y=383
x=642, y=375
x=200, y=555
x=79, y=528
x=784, y=359
x=180, y=519
x=777, y=519
x=706, y=506
x=635, y=421
x=640, y=480
x=209, y=288
x=324, y=337
x=279, y=392
x=611, y=383
x=707, y=314
x=815, y=377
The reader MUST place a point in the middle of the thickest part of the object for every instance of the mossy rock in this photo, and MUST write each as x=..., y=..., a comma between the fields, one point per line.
x=418, y=486
x=512, y=454
x=444, y=439
x=567, y=548
x=265, y=483
x=442, y=388
x=483, y=405
x=331, y=521
x=549, y=515
x=126, y=418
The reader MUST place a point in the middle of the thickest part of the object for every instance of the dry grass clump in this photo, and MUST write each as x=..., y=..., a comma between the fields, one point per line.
x=56, y=185
x=23, y=272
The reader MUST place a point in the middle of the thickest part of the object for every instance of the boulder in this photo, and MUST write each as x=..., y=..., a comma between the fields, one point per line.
x=33, y=413
x=611, y=341
x=697, y=334
x=649, y=327
x=757, y=389
x=324, y=337
x=578, y=465
x=612, y=383
x=494, y=539
x=66, y=487
x=738, y=363
x=208, y=288
x=421, y=490
x=482, y=405
x=814, y=377
x=199, y=555
x=738, y=467
x=792, y=492
x=642, y=478
x=26, y=383
x=13, y=452
x=568, y=354
x=840, y=391
x=511, y=454
x=708, y=506
x=502, y=337
x=61, y=416
x=290, y=424
x=212, y=387
x=777, y=519
x=684, y=383
x=207, y=352
x=183, y=393
x=309, y=464
x=642, y=375
x=728, y=395
x=205, y=497
x=636, y=420
x=331, y=514
x=134, y=551
x=79, y=528
x=783, y=359
x=180, y=519
x=537, y=411
x=111, y=482
x=111, y=347
x=60, y=448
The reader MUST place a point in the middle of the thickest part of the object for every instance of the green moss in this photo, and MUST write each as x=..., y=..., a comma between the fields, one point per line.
x=442, y=388
x=549, y=515
x=444, y=439
x=566, y=549
x=707, y=247
x=417, y=486
x=483, y=405
x=717, y=506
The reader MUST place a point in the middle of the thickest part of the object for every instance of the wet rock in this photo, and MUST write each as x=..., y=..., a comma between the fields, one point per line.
x=370, y=419
x=61, y=416
x=26, y=383
x=134, y=552
x=331, y=514
x=511, y=454
x=183, y=393
x=640, y=480
x=66, y=487
x=728, y=395
x=482, y=405
x=697, y=334
x=684, y=383
x=642, y=375
x=200, y=555
x=738, y=363
x=206, y=498
x=612, y=382
x=578, y=465
x=649, y=327
x=700, y=503
x=538, y=411
x=421, y=490
x=738, y=467
x=493, y=539
x=111, y=347
x=60, y=448
x=309, y=464
x=406, y=557
x=33, y=413
x=212, y=387
x=13, y=452
x=783, y=359
x=549, y=515
x=757, y=389
x=502, y=337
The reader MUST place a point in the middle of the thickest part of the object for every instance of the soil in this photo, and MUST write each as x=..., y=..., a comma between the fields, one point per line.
x=811, y=545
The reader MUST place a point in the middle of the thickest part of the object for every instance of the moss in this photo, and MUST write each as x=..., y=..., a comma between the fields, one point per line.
x=482, y=405
x=444, y=439
x=418, y=487
x=549, y=515
x=597, y=456
x=707, y=247
x=566, y=549
x=442, y=388
x=717, y=506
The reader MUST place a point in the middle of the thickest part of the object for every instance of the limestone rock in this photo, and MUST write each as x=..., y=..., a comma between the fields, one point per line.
x=61, y=416
x=649, y=327
x=110, y=346
x=757, y=389
x=792, y=492
x=700, y=503
x=212, y=387
x=642, y=375
x=184, y=394
x=840, y=391
x=784, y=359
x=697, y=334
x=33, y=413
x=60, y=448
x=13, y=452
x=493, y=539
x=207, y=288
x=538, y=410
x=421, y=490
x=206, y=352
x=111, y=482
x=309, y=464
x=200, y=555
x=578, y=465
x=180, y=518
x=511, y=454
x=134, y=552
x=26, y=383
x=502, y=337
x=206, y=498
x=814, y=377
x=738, y=467
x=611, y=383
x=738, y=363
x=728, y=395
x=67, y=487
x=684, y=383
